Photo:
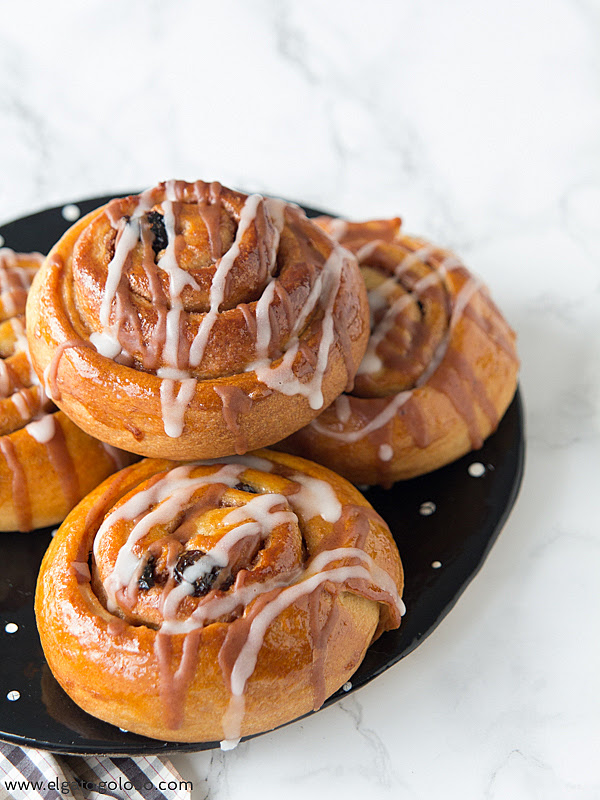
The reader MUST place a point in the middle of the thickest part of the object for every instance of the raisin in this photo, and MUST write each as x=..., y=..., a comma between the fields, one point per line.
x=147, y=578
x=244, y=487
x=157, y=226
x=185, y=560
x=204, y=583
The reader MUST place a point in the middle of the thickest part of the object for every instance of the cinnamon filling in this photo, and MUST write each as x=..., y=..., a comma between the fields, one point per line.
x=418, y=295
x=160, y=281
x=227, y=543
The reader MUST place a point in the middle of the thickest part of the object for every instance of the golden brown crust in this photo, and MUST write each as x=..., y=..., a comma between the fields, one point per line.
x=50, y=478
x=233, y=321
x=294, y=576
x=47, y=464
x=439, y=372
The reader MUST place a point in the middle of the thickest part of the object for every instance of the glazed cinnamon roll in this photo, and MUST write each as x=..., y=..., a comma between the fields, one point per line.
x=193, y=321
x=211, y=600
x=47, y=464
x=440, y=368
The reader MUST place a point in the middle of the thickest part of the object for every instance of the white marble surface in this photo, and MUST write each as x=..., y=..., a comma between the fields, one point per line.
x=479, y=123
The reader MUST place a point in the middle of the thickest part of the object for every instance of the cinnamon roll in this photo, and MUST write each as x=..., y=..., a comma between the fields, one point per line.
x=440, y=368
x=193, y=321
x=211, y=600
x=47, y=464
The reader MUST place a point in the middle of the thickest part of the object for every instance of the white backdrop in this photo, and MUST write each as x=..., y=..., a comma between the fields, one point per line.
x=479, y=124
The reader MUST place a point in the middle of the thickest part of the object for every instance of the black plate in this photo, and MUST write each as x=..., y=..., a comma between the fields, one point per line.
x=458, y=532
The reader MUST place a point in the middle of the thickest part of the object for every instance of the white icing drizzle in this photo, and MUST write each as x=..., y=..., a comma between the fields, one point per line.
x=105, y=344
x=5, y=381
x=14, y=279
x=342, y=408
x=219, y=281
x=274, y=211
x=18, y=329
x=164, y=500
x=254, y=518
x=282, y=377
x=8, y=302
x=376, y=574
x=46, y=382
x=106, y=341
x=175, y=403
x=338, y=228
x=461, y=301
x=463, y=298
x=168, y=496
x=316, y=574
x=418, y=256
x=217, y=607
x=178, y=279
x=247, y=460
x=263, y=321
x=19, y=400
x=386, y=452
x=7, y=260
x=315, y=498
x=371, y=362
x=384, y=416
x=127, y=241
x=174, y=406
x=367, y=250
x=378, y=298
x=448, y=264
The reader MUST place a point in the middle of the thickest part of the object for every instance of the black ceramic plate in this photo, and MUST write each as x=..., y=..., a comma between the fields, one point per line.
x=444, y=523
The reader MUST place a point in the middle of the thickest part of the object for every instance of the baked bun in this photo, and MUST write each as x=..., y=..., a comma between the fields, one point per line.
x=47, y=464
x=209, y=601
x=193, y=321
x=440, y=368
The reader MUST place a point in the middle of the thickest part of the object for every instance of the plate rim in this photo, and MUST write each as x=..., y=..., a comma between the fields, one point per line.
x=160, y=747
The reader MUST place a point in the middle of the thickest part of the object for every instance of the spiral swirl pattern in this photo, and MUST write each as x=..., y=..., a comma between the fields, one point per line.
x=211, y=600
x=46, y=463
x=439, y=371
x=194, y=321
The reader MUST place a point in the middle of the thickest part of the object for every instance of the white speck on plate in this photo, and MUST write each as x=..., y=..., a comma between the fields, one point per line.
x=11, y=627
x=427, y=508
x=476, y=469
x=436, y=564
x=71, y=212
x=13, y=695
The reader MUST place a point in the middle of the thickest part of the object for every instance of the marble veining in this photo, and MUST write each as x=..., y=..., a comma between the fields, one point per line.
x=479, y=124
